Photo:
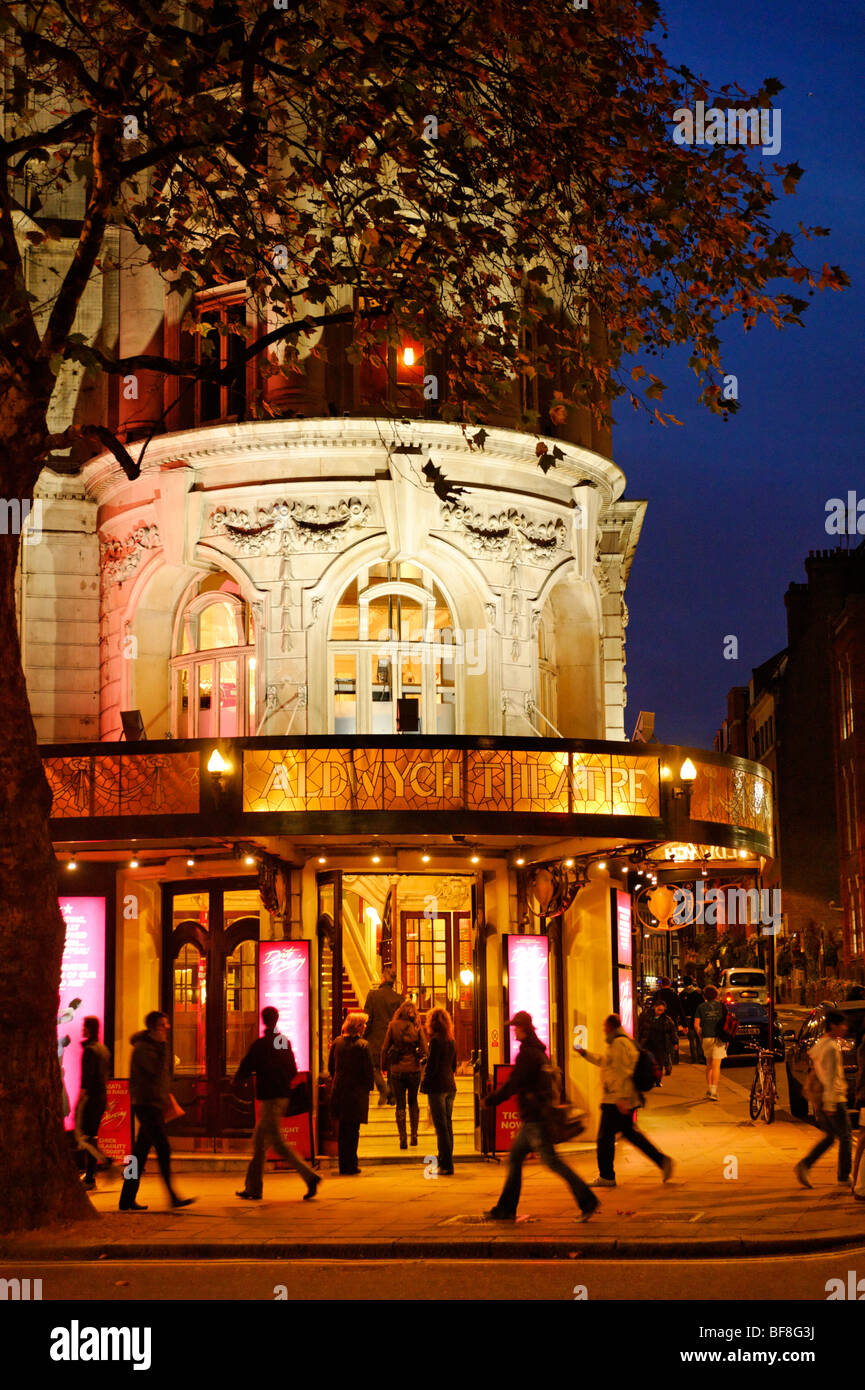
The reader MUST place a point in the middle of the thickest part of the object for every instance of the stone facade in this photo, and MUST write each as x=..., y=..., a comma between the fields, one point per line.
x=290, y=511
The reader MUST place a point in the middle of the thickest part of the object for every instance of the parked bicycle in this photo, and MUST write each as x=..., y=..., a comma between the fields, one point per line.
x=764, y=1088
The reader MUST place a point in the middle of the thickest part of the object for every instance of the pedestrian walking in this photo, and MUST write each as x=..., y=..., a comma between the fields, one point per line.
x=149, y=1091
x=690, y=998
x=530, y=1083
x=402, y=1051
x=271, y=1059
x=658, y=1035
x=439, y=1085
x=620, y=1103
x=859, y=1160
x=827, y=1060
x=380, y=1007
x=92, y=1100
x=709, y=1025
x=671, y=999
x=350, y=1065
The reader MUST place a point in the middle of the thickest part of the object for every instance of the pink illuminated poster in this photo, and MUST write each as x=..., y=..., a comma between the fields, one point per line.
x=626, y=1001
x=623, y=928
x=283, y=982
x=528, y=963
x=82, y=986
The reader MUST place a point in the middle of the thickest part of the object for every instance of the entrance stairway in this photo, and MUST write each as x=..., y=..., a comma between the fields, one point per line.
x=350, y=1000
x=379, y=1138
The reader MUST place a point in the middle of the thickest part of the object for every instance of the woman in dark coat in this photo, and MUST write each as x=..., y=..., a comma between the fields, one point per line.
x=350, y=1065
x=439, y=1085
x=859, y=1157
x=404, y=1046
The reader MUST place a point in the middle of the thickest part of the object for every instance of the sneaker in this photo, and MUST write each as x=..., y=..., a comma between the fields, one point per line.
x=494, y=1215
x=711, y=1095
x=602, y=1182
x=311, y=1189
x=667, y=1168
x=586, y=1212
x=802, y=1174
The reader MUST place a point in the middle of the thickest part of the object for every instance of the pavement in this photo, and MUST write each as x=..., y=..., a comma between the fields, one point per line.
x=733, y=1192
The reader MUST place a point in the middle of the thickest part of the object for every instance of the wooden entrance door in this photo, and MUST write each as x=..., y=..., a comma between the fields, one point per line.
x=434, y=950
x=210, y=993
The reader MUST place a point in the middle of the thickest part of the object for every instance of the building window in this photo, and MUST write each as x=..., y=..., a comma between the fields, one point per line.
x=857, y=926
x=213, y=674
x=225, y=316
x=392, y=655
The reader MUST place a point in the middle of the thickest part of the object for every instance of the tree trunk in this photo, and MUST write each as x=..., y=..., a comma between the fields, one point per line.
x=39, y=1182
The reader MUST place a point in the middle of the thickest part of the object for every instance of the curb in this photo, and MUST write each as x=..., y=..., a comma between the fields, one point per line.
x=490, y=1248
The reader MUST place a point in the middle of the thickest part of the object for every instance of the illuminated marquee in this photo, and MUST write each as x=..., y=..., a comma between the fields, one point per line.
x=431, y=779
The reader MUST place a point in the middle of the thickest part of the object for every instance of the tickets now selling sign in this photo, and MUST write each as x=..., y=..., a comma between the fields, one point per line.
x=507, y=1114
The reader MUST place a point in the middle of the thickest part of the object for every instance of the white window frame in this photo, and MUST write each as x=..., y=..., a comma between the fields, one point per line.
x=193, y=659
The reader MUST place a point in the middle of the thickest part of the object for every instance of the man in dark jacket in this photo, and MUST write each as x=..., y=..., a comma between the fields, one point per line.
x=528, y=1082
x=380, y=1007
x=92, y=1100
x=690, y=999
x=658, y=1035
x=271, y=1059
x=666, y=992
x=149, y=1083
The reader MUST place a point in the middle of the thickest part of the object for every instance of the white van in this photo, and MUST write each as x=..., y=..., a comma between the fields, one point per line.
x=743, y=984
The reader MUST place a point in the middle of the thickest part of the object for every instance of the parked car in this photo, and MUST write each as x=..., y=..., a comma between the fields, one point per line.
x=753, y=1030
x=744, y=983
x=813, y=1028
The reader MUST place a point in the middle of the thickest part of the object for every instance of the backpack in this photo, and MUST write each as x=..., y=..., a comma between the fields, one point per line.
x=646, y=1073
x=730, y=1026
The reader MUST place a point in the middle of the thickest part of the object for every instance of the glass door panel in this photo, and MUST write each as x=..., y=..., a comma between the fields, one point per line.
x=241, y=1003
x=345, y=693
x=204, y=700
x=190, y=999
x=228, y=712
x=383, y=721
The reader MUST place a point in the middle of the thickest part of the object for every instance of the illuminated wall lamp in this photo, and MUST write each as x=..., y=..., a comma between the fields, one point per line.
x=467, y=975
x=217, y=767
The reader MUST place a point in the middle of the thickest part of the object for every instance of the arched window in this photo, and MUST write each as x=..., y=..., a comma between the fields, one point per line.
x=393, y=655
x=213, y=674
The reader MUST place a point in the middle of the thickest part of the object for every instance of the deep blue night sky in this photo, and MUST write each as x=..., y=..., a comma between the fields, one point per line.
x=735, y=507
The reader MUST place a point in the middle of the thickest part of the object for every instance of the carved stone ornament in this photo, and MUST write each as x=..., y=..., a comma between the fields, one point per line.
x=282, y=527
x=119, y=559
x=509, y=533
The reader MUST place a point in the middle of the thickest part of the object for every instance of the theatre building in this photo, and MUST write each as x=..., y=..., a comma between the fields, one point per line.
x=362, y=725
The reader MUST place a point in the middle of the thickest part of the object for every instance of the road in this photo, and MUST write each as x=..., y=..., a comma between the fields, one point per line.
x=804, y=1279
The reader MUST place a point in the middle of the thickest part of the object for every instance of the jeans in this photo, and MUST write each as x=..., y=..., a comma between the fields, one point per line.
x=88, y=1117
x=267, y=1136
x=535, y=1137
x=613, y=1122
x=441, y=1105
x=348, y=1137
x=151, y=1135
x=381, y=1083
x=835, y=1124
x=405, y=1086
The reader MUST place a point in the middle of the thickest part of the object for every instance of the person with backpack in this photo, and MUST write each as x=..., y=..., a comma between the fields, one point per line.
x=534, y=1082
x=402, y=1052
x=624, y=1070
x=690, y=999
x=712, y=1028
x=827, y=1061
x=271, y=1059
x=380, y=1006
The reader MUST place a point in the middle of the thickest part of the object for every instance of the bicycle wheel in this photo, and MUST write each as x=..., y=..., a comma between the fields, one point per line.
x=769, y=1099
x=757, y=1096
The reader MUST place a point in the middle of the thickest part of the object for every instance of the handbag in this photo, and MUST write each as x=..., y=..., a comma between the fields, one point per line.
x=564, y=1122
x=171, y=1110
